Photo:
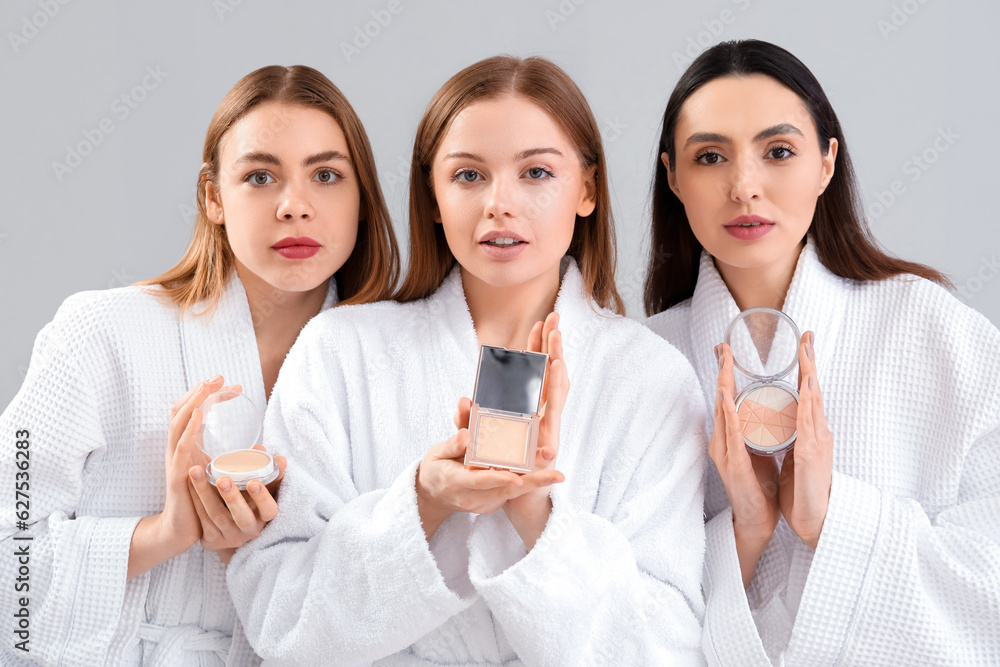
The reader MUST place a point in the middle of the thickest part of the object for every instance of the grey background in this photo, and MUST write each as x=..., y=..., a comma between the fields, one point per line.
x=899, y=73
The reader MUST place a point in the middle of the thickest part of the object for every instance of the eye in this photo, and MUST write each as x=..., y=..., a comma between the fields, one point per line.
x=259, y=178
x=538, y=173
x=780, y=153
x=708, y=157
x=327, y=176
x=466, y=176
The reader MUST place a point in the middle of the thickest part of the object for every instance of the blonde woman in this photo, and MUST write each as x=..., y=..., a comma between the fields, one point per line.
x=290, y=222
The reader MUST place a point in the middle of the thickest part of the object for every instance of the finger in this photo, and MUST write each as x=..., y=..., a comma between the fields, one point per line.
x=727, y=378
x=807, y=357
x=179, y=419
x=464, y=410
x=717, y=444
x=452, y=448
x=190, y=392
x=535, y=338
x=540, y=478
x=184, y=445
x=267, y=506
x=551, y=324
x=209, y=531
x=242, y=516
x=216, y=512
x=484, y=480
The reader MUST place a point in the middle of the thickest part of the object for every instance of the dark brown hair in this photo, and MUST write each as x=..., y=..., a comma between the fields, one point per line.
x=370, y=272
x=545, y=84
x=843, y=241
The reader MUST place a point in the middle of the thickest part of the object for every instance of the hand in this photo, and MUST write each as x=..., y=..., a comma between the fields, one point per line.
x=529, y=511
x=807, y=472
x=751, y=481
x=229, y=517
x=173, y=531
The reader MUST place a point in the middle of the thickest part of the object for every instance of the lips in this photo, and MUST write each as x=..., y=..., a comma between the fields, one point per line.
x=502, y=244
x=749, y=227
x=301, y=247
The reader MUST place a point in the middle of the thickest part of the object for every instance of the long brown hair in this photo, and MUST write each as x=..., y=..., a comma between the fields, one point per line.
x=843, y=241
x=371, y=271
x=544, y=83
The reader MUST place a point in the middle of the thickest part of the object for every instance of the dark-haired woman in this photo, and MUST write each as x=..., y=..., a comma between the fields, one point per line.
x=876, y=539
x=386, y=549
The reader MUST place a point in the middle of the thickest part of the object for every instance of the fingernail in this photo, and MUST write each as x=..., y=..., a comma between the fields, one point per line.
x=720, y=395
x=810, y=381
x=198, y=475
x=812, y=338
x=809, y=351
x=225, y=484
x=718, y=357
x=216, y=378
x=254, y=487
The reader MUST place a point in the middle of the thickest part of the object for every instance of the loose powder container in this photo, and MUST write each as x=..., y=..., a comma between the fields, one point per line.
x=765, y=344
x=229, y=430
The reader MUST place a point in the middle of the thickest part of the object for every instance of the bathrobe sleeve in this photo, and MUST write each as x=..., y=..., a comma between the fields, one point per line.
x=617, y=582
x=70, y=569
x=889, y=583
x=339, y=576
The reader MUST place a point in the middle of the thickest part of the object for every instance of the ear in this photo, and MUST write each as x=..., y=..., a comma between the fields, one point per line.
x=213, y=204
x=671, y=175
x=829, y=165
x=588, y=199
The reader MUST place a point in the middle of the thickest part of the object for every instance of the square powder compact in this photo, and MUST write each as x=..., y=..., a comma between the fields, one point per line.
x=765, y=345
x=503, y=423
x=229, y=430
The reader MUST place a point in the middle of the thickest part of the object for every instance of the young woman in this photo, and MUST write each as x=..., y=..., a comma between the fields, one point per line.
x=290, y=221
x=386, y=548
x=875, y=540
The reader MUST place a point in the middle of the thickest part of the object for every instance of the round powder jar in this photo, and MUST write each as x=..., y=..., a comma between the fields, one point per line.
x=765, y=344
x=231, y=426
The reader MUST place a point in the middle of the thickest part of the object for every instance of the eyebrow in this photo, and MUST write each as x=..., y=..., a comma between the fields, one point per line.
x=270, y=158
x=712, y=137
x=531, y=152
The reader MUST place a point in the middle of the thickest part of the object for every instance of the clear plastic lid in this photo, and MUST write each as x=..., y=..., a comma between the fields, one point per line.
x=765, y=343
x=231, y=422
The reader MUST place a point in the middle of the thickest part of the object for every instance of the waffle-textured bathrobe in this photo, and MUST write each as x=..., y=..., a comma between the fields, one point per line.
x=907, y=569
x=96, y=403
x=344, y=574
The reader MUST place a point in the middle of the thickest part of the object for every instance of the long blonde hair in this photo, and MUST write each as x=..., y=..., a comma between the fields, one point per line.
x=371, y=271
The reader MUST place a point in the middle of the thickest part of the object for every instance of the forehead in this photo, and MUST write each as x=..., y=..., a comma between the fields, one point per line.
x=742, y=106
x=275, y=127
x=502, y=127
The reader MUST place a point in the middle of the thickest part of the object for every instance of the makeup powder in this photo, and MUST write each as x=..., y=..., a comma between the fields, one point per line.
x=502, y=440
x=767, y=416
x=244, y=460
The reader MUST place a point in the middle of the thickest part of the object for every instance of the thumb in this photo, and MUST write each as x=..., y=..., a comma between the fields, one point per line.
x=455, y=446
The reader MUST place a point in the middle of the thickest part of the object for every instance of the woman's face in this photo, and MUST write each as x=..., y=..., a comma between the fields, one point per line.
x=748, y=170
x=288, y=196
x=509, y=185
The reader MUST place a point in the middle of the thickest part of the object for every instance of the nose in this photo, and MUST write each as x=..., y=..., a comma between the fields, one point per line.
x=746, y=185
x=294, y=203
x=498, y=203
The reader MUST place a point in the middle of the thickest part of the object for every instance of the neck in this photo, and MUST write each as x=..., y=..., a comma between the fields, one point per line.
x=278, y=317
x=761, y=285
x=504, y=316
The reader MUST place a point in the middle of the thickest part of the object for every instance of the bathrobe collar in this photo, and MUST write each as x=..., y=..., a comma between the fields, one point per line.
x=815, y=301
x=223, y=342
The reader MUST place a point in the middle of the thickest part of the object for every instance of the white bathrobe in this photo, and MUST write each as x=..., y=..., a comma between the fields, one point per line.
x=96, y=404
x=344, y=574
x=907, y=569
